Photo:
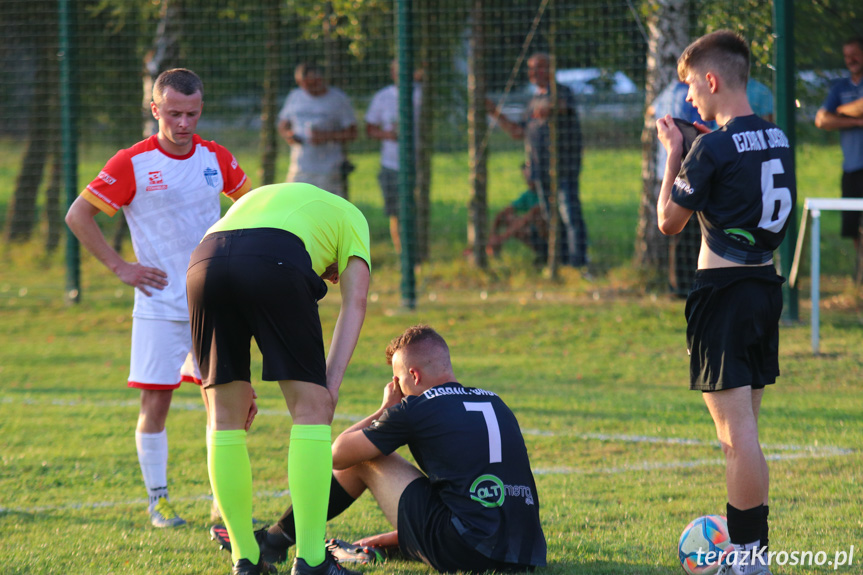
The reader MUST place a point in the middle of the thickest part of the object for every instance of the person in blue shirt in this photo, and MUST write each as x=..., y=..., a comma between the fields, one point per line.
x=843, y=111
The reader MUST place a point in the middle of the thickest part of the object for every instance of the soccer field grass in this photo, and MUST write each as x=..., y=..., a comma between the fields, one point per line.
x=624, y=455
x=596, y=372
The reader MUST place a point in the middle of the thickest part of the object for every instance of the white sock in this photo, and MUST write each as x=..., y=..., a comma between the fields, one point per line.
x=744, y=561
x=153, y=457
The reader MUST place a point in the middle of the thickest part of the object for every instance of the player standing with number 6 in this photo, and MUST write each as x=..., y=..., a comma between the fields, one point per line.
x=740, y=181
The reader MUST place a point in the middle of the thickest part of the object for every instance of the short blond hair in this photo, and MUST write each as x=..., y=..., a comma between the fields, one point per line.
x=414, y=336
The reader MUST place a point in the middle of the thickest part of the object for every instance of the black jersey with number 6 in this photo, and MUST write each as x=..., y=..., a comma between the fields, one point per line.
x=469, y=444
x=740, y=180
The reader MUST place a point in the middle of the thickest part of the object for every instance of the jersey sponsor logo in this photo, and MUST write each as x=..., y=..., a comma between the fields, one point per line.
x=156, y=182
x=211, y=176
x=488, y=490
x=683, y=185
x=107, y=178
x=520, y=491
x=740, y=235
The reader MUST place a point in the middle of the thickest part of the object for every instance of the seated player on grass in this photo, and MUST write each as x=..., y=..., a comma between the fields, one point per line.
x=471, y=505
x=522, y=219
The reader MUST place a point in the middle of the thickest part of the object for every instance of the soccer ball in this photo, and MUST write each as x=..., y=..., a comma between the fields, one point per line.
x=704, y=544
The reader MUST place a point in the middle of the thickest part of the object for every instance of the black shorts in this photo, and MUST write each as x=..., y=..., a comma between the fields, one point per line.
x=255, y=283
x=732, y=328
x=852, y=187
x=427, y=534
x=389, y=182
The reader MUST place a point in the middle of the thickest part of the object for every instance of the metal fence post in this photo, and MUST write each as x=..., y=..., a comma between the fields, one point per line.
x=69, y=135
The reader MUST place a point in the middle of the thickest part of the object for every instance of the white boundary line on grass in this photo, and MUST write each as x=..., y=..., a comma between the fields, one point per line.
x=788, y=452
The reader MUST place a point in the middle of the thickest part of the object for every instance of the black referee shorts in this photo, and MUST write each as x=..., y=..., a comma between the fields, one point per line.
x=427, y=534
x=732, y=328
x=255, y=283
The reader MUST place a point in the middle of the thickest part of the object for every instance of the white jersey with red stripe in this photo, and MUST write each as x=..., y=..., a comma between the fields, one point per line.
x=170, y=202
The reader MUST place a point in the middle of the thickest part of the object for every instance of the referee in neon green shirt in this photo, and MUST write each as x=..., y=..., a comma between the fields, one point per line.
x=259, y=272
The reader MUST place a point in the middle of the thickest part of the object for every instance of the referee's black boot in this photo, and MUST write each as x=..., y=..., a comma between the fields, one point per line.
x=246, y=567
x=330, y=566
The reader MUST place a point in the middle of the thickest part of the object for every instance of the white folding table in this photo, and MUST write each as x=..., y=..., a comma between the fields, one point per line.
x=815, y=206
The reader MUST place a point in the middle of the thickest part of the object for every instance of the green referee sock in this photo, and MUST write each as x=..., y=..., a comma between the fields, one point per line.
x=310, y=465
x=231, y=480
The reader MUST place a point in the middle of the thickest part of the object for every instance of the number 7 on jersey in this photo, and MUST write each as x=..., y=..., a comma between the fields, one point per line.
x=487, y=410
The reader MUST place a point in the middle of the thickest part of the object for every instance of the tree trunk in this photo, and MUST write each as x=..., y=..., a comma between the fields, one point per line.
x=53, y=205
x=668, y=26
x=268, y=142
x=22, y=214
x=163, y=55
x=477, y=128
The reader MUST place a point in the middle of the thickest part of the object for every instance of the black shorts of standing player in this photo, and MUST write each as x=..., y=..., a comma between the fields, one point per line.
x=733, y=327
x=255, y=283
x=427, y=534
x=852, y=187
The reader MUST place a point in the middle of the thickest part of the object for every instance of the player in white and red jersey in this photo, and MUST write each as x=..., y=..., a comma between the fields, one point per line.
x=168, y=186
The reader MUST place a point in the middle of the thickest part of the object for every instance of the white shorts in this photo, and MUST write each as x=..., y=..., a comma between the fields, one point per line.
x=162, y=354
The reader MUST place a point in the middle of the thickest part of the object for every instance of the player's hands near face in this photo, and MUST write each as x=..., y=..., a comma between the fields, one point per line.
x=669, y=135
x=253, y=410
x=392, y=394
x=331, y=274
x=142, y=277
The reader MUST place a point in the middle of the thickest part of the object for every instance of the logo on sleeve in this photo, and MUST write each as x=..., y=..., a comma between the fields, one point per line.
x=211, y=176
x=155, y=181
x=107, y=178
x=683, y=185
x=234, y=163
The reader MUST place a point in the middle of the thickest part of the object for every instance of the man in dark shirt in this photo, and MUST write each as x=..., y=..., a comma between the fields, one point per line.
x=739, y=179
x=536, y=133
x=472, y=504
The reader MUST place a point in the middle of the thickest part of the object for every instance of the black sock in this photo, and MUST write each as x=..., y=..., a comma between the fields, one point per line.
x=765, y=530
x=284, y=531
x=744, y=529
x=744, y=526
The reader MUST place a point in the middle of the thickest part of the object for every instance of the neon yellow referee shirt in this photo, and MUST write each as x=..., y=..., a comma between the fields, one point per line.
x=332, y=228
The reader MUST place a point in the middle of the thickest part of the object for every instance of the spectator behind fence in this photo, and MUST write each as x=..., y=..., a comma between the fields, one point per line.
x=534, y=130
x=522, y=219
x=382, y=123
x=168, y=187
x=318, y=121
x=843, y=111
x=740, y=182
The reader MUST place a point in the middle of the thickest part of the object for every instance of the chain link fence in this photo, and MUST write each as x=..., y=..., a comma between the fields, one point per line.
x=476, y=203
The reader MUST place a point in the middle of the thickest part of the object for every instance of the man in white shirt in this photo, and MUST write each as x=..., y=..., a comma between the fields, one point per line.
x=382, y=119
x=317, y=121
